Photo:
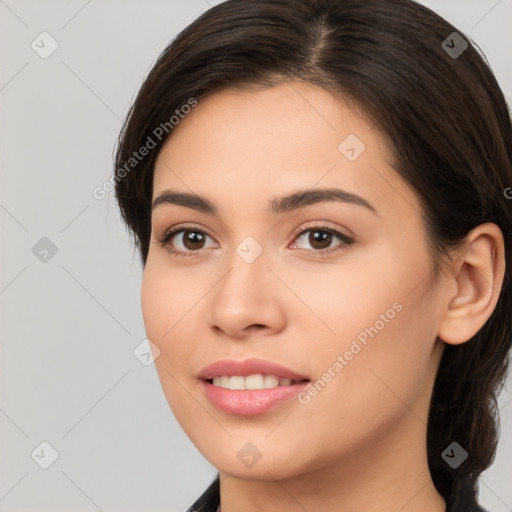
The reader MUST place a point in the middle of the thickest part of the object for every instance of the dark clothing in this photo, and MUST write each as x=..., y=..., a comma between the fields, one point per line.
x=461, y=498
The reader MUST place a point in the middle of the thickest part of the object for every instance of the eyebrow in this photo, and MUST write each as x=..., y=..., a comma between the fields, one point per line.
x=279, y=205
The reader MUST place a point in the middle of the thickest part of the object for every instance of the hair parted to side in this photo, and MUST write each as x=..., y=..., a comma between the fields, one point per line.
x=445, y=119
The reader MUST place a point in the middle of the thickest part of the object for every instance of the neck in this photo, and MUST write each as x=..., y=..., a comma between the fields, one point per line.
x=389, y=474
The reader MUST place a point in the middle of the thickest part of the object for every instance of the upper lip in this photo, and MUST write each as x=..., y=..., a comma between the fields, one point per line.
x=246, y=367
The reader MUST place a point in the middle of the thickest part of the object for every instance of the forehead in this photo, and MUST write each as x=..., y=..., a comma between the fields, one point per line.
x=290, y=136
x=292, y=119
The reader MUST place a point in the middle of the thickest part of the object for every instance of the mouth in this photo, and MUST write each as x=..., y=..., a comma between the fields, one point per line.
x=249, y=387
x=253, y=382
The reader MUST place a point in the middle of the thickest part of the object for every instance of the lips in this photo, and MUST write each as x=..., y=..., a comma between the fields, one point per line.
x=283, y=385
x=232, y=367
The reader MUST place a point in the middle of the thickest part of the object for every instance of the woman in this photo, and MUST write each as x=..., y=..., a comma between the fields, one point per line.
x=319, y=191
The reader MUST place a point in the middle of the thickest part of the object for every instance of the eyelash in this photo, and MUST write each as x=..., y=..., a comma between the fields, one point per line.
x=163, y=241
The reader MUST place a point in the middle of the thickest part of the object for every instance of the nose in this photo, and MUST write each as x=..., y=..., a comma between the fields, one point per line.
x=248, y=298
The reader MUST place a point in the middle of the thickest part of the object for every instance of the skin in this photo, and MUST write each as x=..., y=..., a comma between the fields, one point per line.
x=360, y=443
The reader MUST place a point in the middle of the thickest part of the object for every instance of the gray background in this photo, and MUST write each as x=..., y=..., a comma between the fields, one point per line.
x=70, y=323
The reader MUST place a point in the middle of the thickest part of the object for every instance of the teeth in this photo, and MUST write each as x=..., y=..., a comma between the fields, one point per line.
x=236, y=382
x=255, y=381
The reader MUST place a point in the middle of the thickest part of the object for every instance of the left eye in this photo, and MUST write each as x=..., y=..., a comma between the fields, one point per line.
x=320, y=238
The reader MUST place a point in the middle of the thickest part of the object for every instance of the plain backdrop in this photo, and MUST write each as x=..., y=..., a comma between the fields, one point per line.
x=70, y=281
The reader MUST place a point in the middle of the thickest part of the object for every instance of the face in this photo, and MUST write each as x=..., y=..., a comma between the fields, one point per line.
x=336, y=287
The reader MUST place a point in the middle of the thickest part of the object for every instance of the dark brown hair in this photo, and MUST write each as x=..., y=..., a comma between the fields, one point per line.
x=443, y=115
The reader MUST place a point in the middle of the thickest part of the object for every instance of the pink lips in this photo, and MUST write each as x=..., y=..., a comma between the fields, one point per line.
x=249, y=402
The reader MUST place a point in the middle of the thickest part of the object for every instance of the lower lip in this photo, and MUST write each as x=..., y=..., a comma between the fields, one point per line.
x=248, y=402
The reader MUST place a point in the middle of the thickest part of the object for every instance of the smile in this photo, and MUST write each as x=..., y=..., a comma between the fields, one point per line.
x=255, y=381
x=250, y=386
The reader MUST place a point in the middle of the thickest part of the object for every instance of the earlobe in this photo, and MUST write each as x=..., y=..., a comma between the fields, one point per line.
x=478, y=276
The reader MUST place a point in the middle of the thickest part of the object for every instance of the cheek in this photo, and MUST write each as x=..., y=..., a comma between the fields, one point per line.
x=378, y=332
x=374, y=388
x=155, y=306
x=166, y=296
x=164, y=310
x=386, y=362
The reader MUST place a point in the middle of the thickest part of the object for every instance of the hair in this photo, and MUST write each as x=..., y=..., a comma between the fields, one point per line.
x=444, y=117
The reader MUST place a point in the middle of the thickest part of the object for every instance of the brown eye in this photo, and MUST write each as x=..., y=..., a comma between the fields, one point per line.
x=184, y=242
x=320, y=239
x=193, y=240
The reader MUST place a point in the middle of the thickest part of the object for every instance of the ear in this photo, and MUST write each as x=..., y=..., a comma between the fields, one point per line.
x=477, y=278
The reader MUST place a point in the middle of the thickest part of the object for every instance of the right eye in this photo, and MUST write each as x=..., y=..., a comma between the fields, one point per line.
x=189, y=240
